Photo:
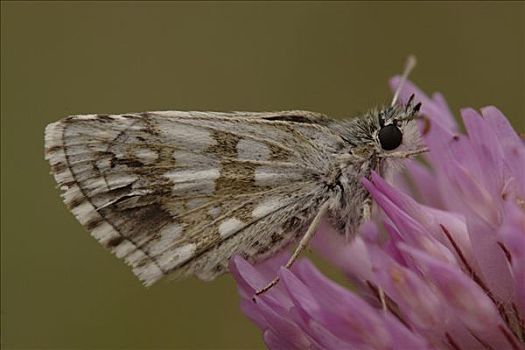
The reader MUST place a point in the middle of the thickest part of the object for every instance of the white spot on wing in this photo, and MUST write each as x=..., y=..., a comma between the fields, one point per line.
x=229, y=226
x=177, y=256
x=103, y=232
x=146, y=155
x=86, y=117
x=124, y=248
x=193, y=182
x=266, y=208
x=149, y=272
x=181, y=176
x=265, y=176
x=168, y=234
x=186, y=136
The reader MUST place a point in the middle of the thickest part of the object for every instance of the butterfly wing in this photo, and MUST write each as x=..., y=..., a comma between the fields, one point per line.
x=181, y=192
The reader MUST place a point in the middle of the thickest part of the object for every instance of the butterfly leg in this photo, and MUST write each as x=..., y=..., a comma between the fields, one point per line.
x=367, y=209
x=301, y=246
x=382, y=299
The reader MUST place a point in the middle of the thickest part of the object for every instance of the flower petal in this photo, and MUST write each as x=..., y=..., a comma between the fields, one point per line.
x=513, y=235
x=250, y=279
x=424, y=181
x=491, y=258
x=351, y=318
x=486, y=149
x=513, y=148
x=408, y=216
x=469, y=301
x=350, y=257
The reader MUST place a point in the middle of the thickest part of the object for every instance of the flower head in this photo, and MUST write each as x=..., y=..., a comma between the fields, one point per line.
x=449, y=275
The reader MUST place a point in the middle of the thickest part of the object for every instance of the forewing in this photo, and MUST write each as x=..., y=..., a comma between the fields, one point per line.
x=181, y=192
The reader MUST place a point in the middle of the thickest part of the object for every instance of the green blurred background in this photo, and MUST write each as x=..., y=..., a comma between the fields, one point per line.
x=59, y=288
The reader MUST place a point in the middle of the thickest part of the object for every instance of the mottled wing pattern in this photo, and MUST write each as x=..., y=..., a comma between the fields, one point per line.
x=181, y=192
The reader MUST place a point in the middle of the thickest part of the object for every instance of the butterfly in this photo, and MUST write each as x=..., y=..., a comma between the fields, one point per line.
x=179, y=193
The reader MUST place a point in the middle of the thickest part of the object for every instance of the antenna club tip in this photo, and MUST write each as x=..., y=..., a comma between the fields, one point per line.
x=411, y=61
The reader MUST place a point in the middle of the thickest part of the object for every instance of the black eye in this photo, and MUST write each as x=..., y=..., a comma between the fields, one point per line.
x=390, y=137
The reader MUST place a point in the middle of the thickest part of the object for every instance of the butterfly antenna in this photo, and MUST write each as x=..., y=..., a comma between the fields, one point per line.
x=410, y=64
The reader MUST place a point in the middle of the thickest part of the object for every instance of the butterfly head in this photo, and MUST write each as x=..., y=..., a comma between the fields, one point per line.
x=396, y=130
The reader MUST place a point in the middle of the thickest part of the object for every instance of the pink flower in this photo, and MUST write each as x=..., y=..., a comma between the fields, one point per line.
x=452, y=270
